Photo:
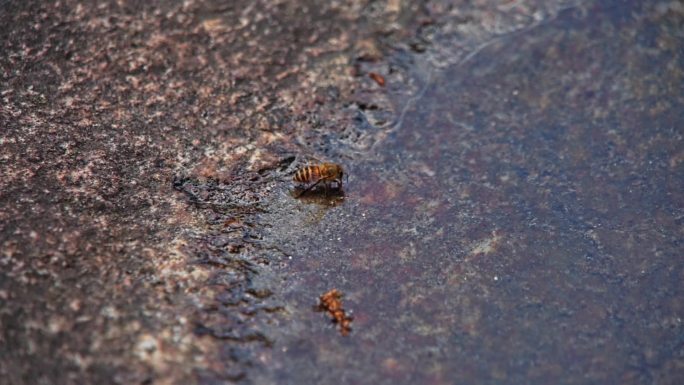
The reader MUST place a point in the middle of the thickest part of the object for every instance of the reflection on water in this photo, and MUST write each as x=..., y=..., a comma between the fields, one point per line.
x=523, y=225
x=319, y=196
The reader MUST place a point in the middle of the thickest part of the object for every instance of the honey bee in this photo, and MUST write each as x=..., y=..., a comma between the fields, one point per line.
x=324, y=172
x=331, y=302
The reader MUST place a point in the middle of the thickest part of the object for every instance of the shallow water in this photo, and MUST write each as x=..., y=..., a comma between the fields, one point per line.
x=523, y=223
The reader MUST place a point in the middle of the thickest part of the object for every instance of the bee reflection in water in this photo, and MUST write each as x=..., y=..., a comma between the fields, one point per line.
x=332, y=198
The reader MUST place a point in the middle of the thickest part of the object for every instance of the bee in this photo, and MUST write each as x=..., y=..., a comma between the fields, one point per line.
x=324, y=172
x=331, y=302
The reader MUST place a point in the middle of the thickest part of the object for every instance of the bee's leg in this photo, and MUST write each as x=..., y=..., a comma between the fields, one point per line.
x=309, y=188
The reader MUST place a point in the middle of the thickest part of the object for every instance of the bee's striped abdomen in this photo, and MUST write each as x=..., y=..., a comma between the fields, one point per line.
x=307, y=174
x=298, y=175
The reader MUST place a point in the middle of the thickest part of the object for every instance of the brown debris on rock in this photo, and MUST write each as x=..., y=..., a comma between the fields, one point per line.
x=377, y=78
x=331, y=302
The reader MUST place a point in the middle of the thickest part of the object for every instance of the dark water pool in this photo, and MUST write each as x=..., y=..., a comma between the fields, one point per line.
x=523, y=224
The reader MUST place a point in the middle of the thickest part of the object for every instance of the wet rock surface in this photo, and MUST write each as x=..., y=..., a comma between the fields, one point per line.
x=513, y=212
